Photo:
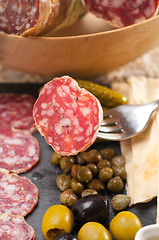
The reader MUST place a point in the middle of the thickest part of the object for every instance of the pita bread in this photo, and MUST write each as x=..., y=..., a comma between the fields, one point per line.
x=141, y=151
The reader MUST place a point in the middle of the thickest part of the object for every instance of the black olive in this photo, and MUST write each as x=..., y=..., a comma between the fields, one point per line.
x=65, y=236
x=91, y=208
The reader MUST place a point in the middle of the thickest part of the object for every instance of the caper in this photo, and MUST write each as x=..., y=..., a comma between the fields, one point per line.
x=65, y=236
x=107, y=153
x=96, y=184
x=63, y=181
x=80, y=159
x=68, y=197
x=119, y=171
x=93, y=168
x=103, y=163
x=87, y=192
x=84, y=174
x=115, y=184
x=56, y=157
x=120, y=202
x=91, y=208
x=66, y=163
x=74, y=170
x=105, y=174
x=118, y=161
x=77, y=185
x=93, y=156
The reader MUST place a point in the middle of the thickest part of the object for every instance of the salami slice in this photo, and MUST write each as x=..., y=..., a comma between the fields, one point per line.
x=34, y=17
x=17, y=111
x=19, y=150
x=122, y=12
x=68, y=116
x=18, y=195
x=14, y=227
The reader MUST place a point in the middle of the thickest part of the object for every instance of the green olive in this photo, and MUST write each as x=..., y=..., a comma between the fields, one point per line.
x=56, y=220
x=93, y=231
x=124, y=226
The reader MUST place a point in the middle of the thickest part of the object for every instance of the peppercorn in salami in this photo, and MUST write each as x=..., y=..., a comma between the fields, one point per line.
x=69, y=117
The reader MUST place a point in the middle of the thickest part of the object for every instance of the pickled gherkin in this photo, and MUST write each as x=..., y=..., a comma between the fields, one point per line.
x=107, y=97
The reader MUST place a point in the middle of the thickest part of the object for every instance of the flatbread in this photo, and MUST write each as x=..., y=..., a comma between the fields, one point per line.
x=157, y=120
x=141, y=151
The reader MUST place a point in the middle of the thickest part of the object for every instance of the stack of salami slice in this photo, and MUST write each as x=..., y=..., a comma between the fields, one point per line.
x=19, y=152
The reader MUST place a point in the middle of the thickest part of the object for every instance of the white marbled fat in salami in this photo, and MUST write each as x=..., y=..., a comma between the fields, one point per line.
x=68, y=116
x=122, y=12
x=18, y=195
x=17, y=16
x=17, y=111
x=14, y=227
x=19, y=150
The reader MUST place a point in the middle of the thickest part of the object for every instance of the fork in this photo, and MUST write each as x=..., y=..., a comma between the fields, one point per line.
x=126, y=121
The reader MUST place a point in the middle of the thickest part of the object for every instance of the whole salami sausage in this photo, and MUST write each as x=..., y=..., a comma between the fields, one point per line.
x=19, y=150
x=14, y=227
x=122, y=12
x=34, y=17
x=18, y=195
x=68, y=116
x=17, y=111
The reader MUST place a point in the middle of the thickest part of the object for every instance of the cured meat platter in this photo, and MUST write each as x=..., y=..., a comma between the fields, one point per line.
x=44, y=174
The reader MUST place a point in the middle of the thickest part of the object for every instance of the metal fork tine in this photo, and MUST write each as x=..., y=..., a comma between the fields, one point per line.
x=110, y=129
x=109, y=122
x=125, y=121
x=112, y=136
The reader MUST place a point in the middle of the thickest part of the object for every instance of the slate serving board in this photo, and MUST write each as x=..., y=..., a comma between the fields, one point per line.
x=44, y=174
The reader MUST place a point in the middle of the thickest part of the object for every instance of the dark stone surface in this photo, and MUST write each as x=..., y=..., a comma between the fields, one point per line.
x=44, y=174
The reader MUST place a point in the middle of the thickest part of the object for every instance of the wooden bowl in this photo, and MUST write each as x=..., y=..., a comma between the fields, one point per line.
x=90, y=48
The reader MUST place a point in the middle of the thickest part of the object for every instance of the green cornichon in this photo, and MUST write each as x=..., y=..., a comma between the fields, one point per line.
x=107, y=97
x=75, y=12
